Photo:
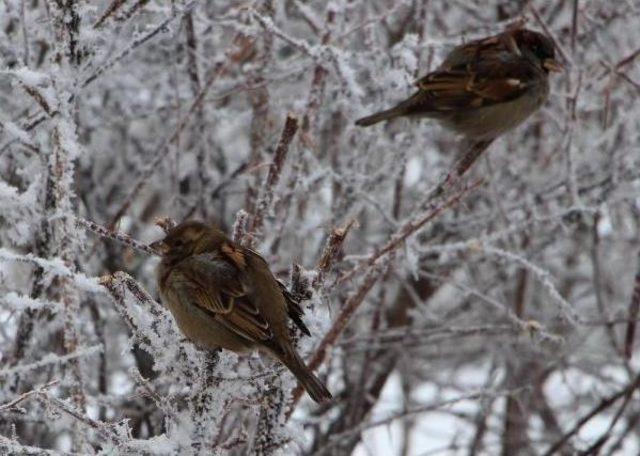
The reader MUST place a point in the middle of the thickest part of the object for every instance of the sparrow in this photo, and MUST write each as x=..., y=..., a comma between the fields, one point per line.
x=483, y=88
x=223, y=295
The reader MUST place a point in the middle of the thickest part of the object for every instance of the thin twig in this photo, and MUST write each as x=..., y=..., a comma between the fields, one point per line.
x=11, y=404
x=111, y=9
x=131, y=11
x=361, y=427
x=162, y=26
x=103, y=429
x=123, y=238
x=408, y=229
x=331, y=249
x=597, y=284
x=164, y=148
x=549, y=33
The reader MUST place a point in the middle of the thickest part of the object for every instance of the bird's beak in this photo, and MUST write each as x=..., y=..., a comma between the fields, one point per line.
x=160, y=246
x=552, y=65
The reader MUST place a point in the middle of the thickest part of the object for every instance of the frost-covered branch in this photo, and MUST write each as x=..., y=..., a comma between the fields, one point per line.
x=428, y=270
x=115, y=235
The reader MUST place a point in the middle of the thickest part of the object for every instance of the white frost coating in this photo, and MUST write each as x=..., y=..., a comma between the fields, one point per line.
x=348, y=74
x=56, y=267
x=69, y=139
x=52, y=359
x=21, y=302
x=31, y=77
x=8, y=194
x=161, y=444
x=469, y=305
x=16, y=132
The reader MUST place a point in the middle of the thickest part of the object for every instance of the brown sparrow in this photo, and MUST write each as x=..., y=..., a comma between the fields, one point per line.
x=483, y=88
x=223, y=295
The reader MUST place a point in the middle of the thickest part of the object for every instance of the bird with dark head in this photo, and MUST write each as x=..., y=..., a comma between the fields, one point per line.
x=223, y=295
x=483, y=88
x=537, y=48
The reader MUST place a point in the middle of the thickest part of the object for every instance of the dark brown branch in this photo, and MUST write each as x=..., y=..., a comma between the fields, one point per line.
x=111, y=9
x=331, y=249
x=461, y=167
x=288, y=132
x=38, y=97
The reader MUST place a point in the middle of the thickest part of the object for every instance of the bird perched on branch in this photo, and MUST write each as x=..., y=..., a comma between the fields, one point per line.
x=223, y=295
x=483, y=88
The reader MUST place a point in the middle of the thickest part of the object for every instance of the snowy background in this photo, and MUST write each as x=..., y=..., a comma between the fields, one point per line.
x=497, y=318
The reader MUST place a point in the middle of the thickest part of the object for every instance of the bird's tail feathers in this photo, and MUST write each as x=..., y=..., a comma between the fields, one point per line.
x=312, y=384
x=380, y=116
x=415, y=104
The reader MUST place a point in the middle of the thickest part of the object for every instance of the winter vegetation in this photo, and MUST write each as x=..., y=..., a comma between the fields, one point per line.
x=495, y=314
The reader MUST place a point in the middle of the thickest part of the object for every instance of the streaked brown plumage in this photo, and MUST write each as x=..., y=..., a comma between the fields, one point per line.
x=483, y=88
x=223, y=295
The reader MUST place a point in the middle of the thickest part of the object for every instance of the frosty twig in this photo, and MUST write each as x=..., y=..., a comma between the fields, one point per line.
x=123, y=238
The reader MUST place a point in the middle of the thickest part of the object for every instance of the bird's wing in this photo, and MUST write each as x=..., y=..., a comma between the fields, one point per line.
x=214, y=284
x=294, y=310
x=497, y=78
x=466, y=55
x=480, y=73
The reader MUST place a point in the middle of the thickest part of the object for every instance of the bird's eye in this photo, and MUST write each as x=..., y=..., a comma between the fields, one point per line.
x=178, y=243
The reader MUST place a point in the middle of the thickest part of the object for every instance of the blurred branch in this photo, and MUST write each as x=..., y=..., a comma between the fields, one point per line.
x=114, y=6
x=604, y=404
x=137, y=42
x=597, y=284
x=12, y=404
x=102, y=429
x=438, y=405
x=409, y=228
x=634, y=311
x=164, y=148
